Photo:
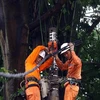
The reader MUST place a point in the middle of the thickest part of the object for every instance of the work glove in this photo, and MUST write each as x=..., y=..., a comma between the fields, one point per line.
x=52, y=46
x=55, y=46
x=71, y=45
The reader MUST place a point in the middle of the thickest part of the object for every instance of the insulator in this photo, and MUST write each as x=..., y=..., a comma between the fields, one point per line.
x=52, y=36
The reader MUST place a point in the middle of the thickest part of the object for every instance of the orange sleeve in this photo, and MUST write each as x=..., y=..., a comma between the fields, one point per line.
x=46, y=64
x=75, y=71
x=34, y=54
x=28, y=66
x=76, y=59
x=30, y=62
x=61, y=65
x=32, y=57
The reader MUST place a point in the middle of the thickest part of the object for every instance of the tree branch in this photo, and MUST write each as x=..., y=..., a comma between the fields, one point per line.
x=51, y=12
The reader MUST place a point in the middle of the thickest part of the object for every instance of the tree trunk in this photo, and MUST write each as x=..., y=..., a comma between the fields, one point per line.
x=14, y=42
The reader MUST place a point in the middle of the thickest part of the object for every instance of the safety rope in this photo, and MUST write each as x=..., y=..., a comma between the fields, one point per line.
x=21, y=75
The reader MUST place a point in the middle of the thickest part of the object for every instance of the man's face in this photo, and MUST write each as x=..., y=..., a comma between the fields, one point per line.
x=67, y=54
x=39, y=58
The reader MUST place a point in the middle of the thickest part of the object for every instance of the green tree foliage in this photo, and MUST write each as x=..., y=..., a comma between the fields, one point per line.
x=90, y=55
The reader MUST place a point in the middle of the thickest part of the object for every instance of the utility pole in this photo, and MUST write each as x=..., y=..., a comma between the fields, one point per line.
x=50, y=85
x=53, y=70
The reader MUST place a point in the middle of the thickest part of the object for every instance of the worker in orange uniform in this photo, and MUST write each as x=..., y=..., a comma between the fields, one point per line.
x=32, y=79
x=73, y=65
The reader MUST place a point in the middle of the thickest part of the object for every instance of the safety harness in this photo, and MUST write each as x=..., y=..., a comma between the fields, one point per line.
x=72, y=81
x=34, y=80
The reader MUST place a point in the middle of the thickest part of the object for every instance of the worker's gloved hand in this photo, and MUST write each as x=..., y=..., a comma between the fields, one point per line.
x=52, y=46
x=55, y=46
x=71, y=45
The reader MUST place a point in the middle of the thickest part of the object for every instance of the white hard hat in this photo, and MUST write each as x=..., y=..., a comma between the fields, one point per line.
x=65, y=45
x=42, y=54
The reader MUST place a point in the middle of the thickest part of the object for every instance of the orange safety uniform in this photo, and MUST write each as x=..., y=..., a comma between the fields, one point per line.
x=73, y=67
x=33, y=93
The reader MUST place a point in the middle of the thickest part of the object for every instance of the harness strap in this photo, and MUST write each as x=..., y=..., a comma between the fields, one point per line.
x=29, y=79
x=31, y=85
x=72, y=81
x=32, y=79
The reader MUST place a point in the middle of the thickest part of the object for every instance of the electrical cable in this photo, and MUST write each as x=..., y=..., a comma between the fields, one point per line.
x=21, y=75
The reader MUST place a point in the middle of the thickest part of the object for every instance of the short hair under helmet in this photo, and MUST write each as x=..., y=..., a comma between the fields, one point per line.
x=42, y=53
x=65, y=45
